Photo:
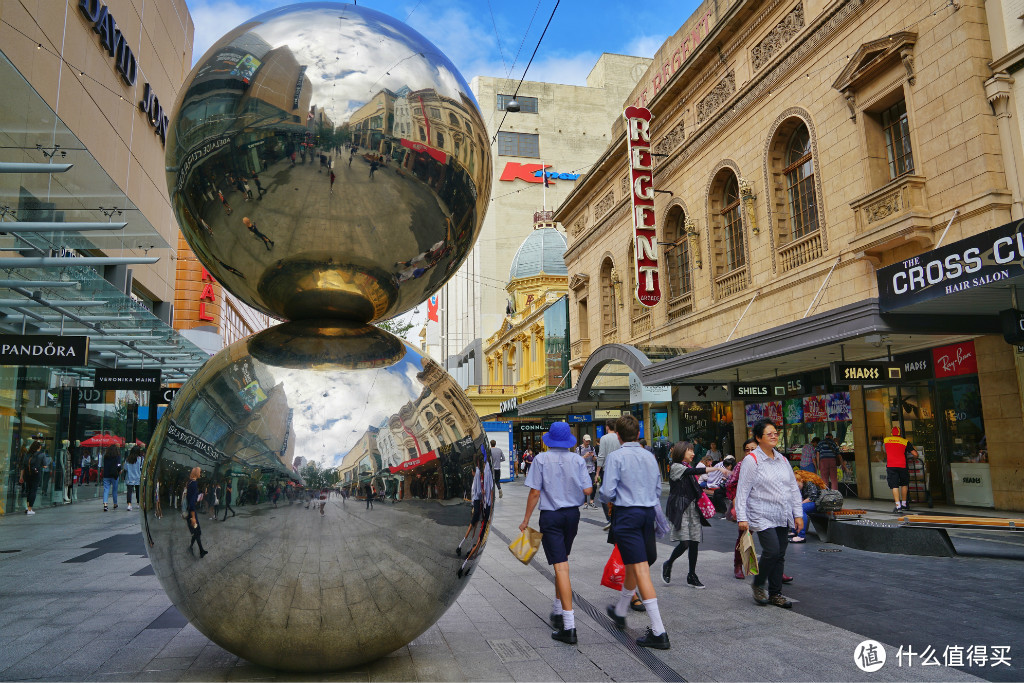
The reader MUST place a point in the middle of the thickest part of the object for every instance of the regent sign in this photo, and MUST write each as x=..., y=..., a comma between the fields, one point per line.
x=114, y=42
x=641, y=174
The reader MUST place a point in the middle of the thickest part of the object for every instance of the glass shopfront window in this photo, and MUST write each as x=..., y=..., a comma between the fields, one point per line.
x=942, y=417
x=704, y=422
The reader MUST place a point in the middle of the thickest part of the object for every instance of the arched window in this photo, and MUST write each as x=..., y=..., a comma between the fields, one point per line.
x=732, y=225
x=678, y=255
x=799, y=172
x=608, y=318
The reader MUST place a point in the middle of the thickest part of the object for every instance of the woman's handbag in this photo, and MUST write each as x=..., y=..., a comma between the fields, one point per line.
x=614, y=571
x=707, y=508
x=661, y=523
x=526, y=544
x=748, y=556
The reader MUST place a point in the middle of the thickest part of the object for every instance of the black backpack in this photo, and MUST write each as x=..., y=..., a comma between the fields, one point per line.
x=829, y=501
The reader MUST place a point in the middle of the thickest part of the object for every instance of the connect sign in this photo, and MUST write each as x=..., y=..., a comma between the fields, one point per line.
x=207, y=295
x=641, y=174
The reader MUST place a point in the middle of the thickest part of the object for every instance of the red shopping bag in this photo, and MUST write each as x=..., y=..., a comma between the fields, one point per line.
x=614, y=571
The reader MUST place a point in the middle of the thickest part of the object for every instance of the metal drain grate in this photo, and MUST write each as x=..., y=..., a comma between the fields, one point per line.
x=645, y=656
x=4, y=552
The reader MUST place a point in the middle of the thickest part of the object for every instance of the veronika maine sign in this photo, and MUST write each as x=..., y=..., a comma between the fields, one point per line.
x=992, y=256
x=44, y=350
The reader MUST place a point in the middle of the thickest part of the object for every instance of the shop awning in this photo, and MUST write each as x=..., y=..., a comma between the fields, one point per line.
x=414, y=463
x=426, y=149
x=855, y=332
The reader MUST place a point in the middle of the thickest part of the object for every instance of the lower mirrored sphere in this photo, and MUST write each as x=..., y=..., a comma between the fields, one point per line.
x=340, y=502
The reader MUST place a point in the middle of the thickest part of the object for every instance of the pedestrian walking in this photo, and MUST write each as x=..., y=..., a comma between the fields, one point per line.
x=608, y=444
x=227, y=500
x=332, y=181
x=828, y=461
x=247, y=190
x=482, y=496
x=259, y=186
x=589, y=456
x=111, y=466
x=224, y=201
x=31, y=469
x=133, y=474
x=630, y=480
x=158, y=509
x=767, y=498
x=368, y=490
x=351, y=154
x=192, y=508
x=251, y=227
x=685, y=517
x=373, y=167
x=497, y=457
x=559, y=483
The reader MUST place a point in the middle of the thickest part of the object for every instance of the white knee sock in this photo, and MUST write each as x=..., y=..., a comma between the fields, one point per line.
x=568, y=619
x=657, y=628
x=556, y=606
x=623, y=604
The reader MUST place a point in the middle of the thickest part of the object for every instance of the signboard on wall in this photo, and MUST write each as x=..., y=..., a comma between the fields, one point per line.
x=955, y=359
x=647, y=289
x=144, y=380
x=501, y=434
x=640, y=393
x=47, y=350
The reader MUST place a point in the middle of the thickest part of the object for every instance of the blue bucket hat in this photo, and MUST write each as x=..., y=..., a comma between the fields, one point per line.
x=559, y=436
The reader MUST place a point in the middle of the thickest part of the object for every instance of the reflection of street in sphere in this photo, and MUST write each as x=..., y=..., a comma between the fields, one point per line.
x=274, y=589
x=271, y=106
x=269, y=100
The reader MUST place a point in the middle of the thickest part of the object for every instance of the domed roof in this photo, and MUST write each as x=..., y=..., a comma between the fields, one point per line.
x=542, y=252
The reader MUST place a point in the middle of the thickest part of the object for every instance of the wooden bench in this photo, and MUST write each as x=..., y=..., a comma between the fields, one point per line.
x=951, y=522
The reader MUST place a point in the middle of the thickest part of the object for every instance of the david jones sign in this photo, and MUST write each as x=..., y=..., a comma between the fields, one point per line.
x=641, y=175
x=117, y=47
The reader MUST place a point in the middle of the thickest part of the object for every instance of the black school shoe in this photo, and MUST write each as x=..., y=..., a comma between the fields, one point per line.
x=565, y=635
x=620, y=622
x=659, y=642
x=556, y=621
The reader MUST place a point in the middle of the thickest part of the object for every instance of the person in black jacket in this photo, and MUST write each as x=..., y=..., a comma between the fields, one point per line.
x=683, y=513
x=31, y=467
x=811, y=486
x=111, y=471
x=192, y=498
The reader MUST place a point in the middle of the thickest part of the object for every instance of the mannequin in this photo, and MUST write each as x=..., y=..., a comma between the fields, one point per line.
x=64, y=467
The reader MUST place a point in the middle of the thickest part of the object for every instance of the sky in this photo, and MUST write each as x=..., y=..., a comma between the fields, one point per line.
x=484, y=37
x=495, y=38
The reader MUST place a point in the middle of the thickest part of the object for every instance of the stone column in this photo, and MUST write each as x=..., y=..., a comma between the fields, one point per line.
x=1001, y=411
x=999, y=91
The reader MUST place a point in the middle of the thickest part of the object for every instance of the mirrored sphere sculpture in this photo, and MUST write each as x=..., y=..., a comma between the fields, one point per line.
x=292, y=580
x=325, y=160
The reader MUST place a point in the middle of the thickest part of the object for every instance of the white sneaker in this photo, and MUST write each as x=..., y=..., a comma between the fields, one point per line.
x=30, y=512
x=129, y=507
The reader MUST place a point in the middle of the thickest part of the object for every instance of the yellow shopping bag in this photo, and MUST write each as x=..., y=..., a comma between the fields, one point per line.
x=747, y=553
x=526, y=544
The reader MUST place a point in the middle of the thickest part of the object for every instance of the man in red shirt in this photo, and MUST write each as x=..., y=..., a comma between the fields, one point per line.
x=896, y=473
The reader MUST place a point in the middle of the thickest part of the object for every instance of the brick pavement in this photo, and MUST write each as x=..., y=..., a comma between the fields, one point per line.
x=80, y=602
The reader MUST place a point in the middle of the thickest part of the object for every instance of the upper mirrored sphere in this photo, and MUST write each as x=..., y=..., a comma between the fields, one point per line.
x=326, y=160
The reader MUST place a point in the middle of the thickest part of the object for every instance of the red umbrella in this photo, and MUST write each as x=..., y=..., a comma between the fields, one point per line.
x=103, y=440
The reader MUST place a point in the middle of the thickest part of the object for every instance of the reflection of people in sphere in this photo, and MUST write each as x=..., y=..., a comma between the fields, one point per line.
x=251, y=227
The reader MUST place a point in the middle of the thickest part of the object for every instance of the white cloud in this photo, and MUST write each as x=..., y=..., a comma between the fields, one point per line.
x=646, y=45
x=214, y=18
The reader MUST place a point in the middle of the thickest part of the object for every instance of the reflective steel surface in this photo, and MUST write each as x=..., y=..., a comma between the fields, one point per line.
x=276, y=104
x=284, y=584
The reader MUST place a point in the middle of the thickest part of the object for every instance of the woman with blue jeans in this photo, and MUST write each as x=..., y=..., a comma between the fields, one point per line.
x=811, y=486
x=111, y=471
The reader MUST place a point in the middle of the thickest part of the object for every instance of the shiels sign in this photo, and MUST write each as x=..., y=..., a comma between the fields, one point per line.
x=992, y=256
x=641, y=174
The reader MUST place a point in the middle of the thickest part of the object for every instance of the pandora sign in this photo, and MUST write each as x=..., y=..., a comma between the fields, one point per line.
x=641, y=174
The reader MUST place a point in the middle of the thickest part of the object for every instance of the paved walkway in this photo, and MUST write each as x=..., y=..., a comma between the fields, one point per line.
x=80, y=602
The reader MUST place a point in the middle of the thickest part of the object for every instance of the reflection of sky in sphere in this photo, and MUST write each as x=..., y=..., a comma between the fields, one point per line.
x=325, y=428
x=365, y=52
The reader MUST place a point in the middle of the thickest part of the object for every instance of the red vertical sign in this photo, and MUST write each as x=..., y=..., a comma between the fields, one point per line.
x=645, y=236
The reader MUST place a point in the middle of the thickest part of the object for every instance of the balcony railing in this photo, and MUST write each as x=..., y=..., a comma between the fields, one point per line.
x=642, y=323
x=730, y=283
x=608, y=336
x=801, y=251
x=681, y=305
x=580, y=348
x=502, y=389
